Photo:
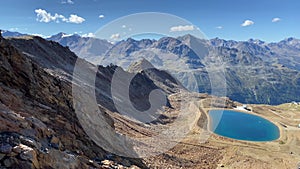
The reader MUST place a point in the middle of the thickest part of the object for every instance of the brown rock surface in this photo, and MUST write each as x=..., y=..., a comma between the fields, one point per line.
x=36, y=108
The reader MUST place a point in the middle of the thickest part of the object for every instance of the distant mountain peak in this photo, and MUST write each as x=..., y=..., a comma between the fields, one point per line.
x=256, y=41
x=290, y=39
x=60, y=34
x=6, y=33
x=140, y=65
x=57, y=36
x=131, y=40
x=216, y=38
x=188, y=36
x=164, y=41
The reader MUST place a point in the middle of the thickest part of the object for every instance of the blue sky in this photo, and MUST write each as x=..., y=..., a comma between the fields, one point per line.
x=215, y=18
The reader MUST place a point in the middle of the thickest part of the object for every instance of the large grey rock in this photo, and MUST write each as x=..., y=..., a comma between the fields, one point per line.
x=5, y=148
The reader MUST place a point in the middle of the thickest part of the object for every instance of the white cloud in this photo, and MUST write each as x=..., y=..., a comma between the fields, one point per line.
x=90, y=35
x=182, y=28
x=101, y=16
x=219, y=27
x=247, y=23
x=67, y=2
x=75, y=19
x=276, y=19
x=115, y=36
x=123, y=26
x=44, y=16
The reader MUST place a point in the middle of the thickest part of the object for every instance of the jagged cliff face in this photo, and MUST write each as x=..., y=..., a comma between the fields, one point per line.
x=39, y=128
x=38, y=123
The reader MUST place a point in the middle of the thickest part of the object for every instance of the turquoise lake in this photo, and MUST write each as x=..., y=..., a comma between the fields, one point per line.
x=242, y=126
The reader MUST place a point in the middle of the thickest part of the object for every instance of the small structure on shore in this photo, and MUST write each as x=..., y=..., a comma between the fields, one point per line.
x=244, y=107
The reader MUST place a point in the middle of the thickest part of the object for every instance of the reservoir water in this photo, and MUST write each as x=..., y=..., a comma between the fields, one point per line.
x=242, y=126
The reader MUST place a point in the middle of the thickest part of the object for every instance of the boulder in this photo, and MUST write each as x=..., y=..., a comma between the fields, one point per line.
x=29, y=154
x=5, y=148
x=10, y=162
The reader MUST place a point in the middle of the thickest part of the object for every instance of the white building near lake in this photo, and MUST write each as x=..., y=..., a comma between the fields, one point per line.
x=243, y=108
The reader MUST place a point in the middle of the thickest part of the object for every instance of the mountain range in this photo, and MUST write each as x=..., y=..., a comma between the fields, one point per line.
x=253, y=71
x=250, y=71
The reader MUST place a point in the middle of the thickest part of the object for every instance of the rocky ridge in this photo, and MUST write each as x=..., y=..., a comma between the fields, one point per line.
x=39, y=128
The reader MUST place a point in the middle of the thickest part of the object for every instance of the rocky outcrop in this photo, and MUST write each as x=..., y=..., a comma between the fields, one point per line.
x=139, y=66
x=38, y=126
